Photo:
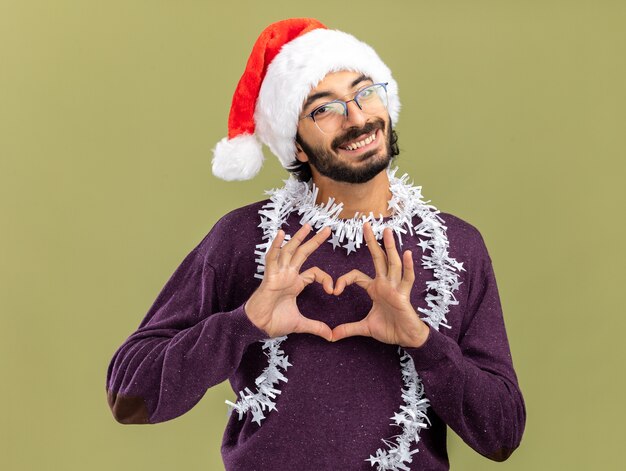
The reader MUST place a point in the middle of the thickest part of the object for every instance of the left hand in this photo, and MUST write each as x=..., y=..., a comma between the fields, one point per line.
x=392, y=318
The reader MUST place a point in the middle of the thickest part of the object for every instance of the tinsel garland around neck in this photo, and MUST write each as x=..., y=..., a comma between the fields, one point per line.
x=405, y=203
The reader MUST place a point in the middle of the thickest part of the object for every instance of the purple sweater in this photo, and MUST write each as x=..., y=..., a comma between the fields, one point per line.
x=339, y=399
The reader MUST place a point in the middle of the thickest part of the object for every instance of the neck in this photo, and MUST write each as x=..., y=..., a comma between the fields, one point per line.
x=361, y=198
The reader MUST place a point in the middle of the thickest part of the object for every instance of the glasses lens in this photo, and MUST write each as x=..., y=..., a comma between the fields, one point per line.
x=373, y=99
x=329, y=117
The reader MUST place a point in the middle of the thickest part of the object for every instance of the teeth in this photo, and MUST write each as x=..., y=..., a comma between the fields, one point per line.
x=364, y=142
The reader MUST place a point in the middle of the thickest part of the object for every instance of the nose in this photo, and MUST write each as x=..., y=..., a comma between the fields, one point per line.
x=355, y=117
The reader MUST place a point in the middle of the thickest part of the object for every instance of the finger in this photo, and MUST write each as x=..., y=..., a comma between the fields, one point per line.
x=394, y=264
x=319, y=275
x=271, y=256
x=350, y=329
x=408, y=272
x=309, y=326
x=378, y=255
x=353, y=276
x=287, y=251
x=306, y=249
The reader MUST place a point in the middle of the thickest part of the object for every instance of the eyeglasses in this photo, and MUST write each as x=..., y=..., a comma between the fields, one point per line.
x=330, y=116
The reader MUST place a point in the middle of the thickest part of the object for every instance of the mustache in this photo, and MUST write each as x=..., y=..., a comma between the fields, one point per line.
x=353, y=133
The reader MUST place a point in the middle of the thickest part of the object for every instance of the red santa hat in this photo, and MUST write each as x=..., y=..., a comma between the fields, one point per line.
x=288, y=60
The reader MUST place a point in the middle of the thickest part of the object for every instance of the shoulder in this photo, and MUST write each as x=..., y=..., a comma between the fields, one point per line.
x=466, y=243
x=235, y=231
x=244, y=215
x=459, y=228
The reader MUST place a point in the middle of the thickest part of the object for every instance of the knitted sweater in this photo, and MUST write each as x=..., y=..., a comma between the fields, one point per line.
x=340, y=396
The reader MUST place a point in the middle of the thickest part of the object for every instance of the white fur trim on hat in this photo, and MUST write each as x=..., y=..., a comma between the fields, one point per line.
x=299, y=66
x=239, y=158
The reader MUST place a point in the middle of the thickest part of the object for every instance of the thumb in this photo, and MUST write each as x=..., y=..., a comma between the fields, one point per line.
x=309, y=326
x=351, y=329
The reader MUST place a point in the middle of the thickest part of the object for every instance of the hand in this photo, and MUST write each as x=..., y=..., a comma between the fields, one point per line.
x=392, y=318
x=272, y=307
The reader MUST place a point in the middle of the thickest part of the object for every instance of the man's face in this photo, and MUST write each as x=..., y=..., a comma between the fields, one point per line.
x=327, y=152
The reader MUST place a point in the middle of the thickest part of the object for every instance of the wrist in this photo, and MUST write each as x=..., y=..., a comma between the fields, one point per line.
x=422, y=333
x=256, y=315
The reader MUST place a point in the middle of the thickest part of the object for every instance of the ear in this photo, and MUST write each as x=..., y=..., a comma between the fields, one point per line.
x=300, y=154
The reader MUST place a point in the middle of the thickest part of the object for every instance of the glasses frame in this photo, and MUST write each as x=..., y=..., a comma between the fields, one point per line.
x=344, y=103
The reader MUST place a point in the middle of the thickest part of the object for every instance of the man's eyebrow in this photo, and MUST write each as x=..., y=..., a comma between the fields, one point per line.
x=361, y=78
x=325, y=93
x=314, y=97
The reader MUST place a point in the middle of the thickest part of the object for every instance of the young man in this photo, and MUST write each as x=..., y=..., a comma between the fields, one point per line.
x=345, y=354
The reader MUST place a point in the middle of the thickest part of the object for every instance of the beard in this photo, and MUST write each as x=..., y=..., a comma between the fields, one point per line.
x=327, y=163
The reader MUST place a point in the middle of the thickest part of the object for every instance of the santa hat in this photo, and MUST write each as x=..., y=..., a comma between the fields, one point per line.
x=288, y=60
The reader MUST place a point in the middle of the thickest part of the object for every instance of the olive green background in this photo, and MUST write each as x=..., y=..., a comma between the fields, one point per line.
x=513, y=119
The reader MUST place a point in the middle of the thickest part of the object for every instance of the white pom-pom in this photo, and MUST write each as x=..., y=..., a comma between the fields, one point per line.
x=239, y=158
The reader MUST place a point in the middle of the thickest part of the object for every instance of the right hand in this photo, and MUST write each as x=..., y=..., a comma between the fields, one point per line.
x=272, y=307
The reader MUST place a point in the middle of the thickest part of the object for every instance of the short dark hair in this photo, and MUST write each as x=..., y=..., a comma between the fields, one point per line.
x=302, y=170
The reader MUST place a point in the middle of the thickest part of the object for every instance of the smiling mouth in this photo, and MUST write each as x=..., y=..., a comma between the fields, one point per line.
x=362, y=143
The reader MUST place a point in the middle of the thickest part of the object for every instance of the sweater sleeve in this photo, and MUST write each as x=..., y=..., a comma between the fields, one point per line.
x=472, y=385
x=183, y=346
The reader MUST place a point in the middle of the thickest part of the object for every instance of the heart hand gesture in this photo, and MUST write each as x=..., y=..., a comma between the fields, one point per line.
x=272, y=307
x=392, y=318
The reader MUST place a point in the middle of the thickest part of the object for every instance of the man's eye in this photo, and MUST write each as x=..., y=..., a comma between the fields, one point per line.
x=329, y=109
x=322, y=110
x=366, y=92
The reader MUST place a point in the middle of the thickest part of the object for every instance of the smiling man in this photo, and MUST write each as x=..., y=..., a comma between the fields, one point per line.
x=341, y=148
x=344, y=137
x=351, y=348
